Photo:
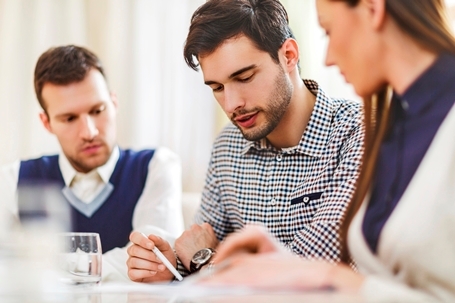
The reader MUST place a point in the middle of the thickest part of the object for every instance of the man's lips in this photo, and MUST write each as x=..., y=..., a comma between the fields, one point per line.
x=247, y=120
x=91, y=148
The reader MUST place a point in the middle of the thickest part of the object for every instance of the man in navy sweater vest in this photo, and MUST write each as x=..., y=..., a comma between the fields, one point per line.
x=109, y=190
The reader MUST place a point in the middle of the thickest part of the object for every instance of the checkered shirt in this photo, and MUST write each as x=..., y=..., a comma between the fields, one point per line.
x=298, y=193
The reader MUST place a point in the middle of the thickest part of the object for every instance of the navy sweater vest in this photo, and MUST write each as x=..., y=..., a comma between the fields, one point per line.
x=113, y=220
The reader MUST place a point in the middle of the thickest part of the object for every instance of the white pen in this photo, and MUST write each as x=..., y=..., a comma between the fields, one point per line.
x=165, y=261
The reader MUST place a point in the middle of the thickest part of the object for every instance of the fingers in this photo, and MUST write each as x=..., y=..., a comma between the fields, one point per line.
x=252, y=239
x=141, y=240
x=159, y=242
x=228, y=273
x=142, y=263
x=137, y=251
x=143, y=245
x=140, y=270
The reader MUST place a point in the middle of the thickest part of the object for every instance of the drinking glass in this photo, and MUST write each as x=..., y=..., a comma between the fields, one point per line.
x=79, y=260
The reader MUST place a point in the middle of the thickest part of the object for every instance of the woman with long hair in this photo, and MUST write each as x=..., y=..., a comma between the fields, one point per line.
x=399, y=229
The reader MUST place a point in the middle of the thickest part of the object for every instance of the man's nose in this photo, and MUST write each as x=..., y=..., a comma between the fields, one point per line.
x=233, y=101
x=88, y=128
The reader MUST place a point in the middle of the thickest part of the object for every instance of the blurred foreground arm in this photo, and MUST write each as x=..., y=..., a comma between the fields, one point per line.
x=256, y=259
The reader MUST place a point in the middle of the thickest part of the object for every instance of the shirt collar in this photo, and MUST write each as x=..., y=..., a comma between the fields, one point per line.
x=424, y=90
x=316, y=134
x=105, y=171
x=262, y=144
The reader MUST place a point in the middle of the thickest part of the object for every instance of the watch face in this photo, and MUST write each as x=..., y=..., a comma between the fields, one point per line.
x=202, y=256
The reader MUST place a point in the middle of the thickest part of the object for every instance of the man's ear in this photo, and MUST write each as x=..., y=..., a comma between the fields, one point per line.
x=377, y=11
x=290, y=54
x=45, y=120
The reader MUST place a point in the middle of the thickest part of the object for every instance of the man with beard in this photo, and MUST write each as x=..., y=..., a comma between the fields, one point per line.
x=291, y=157
x=111, y=191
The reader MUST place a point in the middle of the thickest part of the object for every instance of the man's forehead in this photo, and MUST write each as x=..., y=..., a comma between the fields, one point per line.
x=230, y=58
x=63, y=100
x=236, y=43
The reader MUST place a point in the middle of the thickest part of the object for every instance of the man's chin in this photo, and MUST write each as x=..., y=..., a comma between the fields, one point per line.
x=88, y=165
x=252, y=135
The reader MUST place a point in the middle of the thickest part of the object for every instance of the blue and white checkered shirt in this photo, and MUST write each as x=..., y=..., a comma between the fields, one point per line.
x=299, y=193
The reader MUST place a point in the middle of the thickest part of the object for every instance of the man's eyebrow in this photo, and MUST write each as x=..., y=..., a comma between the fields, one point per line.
x=68, y=114
x=234, y=74
x=241, y=71
x=210, y=82
x=97, y=105
x=64, y=115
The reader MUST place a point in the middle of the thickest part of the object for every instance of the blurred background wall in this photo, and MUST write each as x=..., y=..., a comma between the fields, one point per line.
x=162, y=102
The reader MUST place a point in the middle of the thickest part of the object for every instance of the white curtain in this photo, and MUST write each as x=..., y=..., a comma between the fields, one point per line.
x=303, y=20
x=162, y=101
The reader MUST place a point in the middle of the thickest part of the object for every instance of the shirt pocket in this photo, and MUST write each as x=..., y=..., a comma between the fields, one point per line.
x=303, y=203
x=306, y=194
x=307, y=198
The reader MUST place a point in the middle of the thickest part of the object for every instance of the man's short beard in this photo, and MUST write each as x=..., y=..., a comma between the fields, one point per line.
x=85, y=165
x=275, y=110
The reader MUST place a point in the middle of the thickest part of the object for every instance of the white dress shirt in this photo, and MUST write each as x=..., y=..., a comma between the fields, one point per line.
x=87, y=186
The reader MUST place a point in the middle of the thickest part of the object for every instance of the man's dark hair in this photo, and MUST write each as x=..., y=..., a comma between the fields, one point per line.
x=64, y=65
x=265, y=22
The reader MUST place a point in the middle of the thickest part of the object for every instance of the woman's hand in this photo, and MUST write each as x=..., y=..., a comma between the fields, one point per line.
x=253, y=239
x=253, y=258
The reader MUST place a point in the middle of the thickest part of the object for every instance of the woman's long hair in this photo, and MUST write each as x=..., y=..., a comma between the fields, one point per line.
x=426, y=22
x=376, y=111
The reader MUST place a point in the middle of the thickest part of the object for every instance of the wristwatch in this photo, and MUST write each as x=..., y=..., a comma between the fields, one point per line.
x=201, y=258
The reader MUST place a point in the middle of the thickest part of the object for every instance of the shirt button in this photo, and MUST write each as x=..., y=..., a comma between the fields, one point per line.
x=306, y=199
x=273, y=202
x=279, y=157
x=405, y=105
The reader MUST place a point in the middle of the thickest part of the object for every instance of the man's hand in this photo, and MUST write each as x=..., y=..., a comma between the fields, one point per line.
x=143, y=265
x=193, y=240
